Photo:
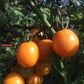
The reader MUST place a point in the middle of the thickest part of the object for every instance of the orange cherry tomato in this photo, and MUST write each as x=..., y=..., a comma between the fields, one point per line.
x=41, y=79
x=73, y=30
x=45, y=47
x=43, y=68
x=25, y=72
x=14, y=78
x=34, y=79
x=65, y=43
x=36, y=39
x=28, y=54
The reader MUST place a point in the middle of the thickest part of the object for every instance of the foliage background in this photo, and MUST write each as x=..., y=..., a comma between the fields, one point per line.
x=20, y=18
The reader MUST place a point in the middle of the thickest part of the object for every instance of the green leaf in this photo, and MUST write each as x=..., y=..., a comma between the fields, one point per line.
x=82, y=35
x=42, y=10
x=34, y=15
x=18, y=13
x=83, y=81
x=78, y=15
x=57, y=18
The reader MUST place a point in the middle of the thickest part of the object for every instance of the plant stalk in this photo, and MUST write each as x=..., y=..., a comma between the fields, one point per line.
x=39, y=14
x=66, y=73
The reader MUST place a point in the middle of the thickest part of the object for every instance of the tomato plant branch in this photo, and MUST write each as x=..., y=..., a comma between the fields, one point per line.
x=67, y=23
x=74, y=22
x=62, y=22
x=44, y=20
x=66, y=73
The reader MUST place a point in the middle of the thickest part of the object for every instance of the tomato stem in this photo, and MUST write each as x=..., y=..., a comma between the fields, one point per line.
x=66, y=73
x=44, y=20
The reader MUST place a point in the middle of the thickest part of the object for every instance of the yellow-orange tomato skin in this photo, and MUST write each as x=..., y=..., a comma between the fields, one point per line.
x=34, y=79
x=28, y=54
x=14, y=78
x=65, y=43
x=36, y=39
x=43, y=68
x=45, y=47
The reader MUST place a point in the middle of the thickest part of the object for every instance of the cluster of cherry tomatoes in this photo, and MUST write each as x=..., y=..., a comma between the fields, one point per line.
x=34, y=61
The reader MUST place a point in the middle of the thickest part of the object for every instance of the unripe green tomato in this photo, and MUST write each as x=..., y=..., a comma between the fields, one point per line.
x=3, y=19
x=25, y=72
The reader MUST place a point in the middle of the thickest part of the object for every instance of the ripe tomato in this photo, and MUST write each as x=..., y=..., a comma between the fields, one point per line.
x=45, y=47
x=36, y=39
x=73, y=30
x=34, y=79
x=42, y=68
x=25, y=72
x=28, y=54
x=14, y=78
x=15, y=68
x=41, y=79
x=65, y=43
